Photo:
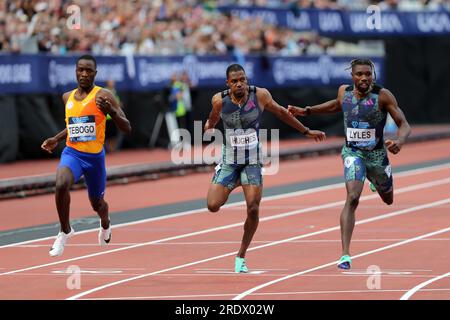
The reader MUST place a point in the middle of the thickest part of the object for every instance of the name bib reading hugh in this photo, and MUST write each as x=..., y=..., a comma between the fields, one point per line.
x=244, y=140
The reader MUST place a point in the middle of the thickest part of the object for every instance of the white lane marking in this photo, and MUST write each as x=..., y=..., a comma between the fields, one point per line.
x=409, y=294
x=250, y=291
x=229, y=226
x=230, y=272
x=380, y=217
x=195, y=243
x=260, y=294
x=239, y=203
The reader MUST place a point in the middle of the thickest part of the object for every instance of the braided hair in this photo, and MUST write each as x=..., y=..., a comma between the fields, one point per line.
x=366, y=62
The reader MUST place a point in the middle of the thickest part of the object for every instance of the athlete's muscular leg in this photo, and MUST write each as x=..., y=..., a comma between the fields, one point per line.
x=253, y=198
x=381, y=177
x=217, y=196
x=64, y=181
x=354, y=189
x=387, y=197
x=101, y=207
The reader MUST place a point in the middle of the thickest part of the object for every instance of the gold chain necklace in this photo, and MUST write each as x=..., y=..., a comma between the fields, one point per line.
x=236, y=101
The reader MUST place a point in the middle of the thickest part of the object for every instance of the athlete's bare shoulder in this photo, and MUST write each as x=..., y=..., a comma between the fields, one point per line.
x=386, y=97
x=386, y=92
x=103, y=92
x=66, y=96
x=261, y=91
x=216, y=100
x=263, y=95
x=341, y=92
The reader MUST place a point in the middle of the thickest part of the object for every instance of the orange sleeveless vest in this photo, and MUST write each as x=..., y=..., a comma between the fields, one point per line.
x=85, y=123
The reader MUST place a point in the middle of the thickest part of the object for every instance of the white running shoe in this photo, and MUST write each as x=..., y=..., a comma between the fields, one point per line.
x=61, y=239
x=104, y=235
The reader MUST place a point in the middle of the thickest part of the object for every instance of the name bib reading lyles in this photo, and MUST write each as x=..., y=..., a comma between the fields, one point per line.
x=244, y=140
x=360, y=135
x=81, y=129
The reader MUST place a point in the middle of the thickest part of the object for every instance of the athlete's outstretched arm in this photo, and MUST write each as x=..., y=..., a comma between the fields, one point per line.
x=388, y=101
x=106, y=102
x=51, y=143
x=331, y=106
x=214, y=115
x=265, y=99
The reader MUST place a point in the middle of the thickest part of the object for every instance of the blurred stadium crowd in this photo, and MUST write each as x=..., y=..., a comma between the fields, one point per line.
x=173, y=27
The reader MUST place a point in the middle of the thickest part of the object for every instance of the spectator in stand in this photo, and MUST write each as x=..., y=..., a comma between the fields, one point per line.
x=170, y=27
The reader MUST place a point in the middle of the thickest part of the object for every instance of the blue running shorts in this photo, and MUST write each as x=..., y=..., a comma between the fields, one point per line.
x=90, y=165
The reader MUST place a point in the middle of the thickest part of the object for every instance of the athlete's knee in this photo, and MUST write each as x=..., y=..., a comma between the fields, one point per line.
x=213, y=206
x=388, y=200
x=353, y=199
x=99, y=205
x=62, y=184
x=253, y=210
x=387, y=195
x=64, y=180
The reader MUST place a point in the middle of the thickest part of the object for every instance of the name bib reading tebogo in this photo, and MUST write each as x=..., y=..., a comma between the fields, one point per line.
x=244, y=140
x=81, y=129
x=360, y=135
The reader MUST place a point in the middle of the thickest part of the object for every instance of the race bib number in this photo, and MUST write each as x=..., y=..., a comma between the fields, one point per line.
x=244, y=140
x=81, y=129
x=360, y=135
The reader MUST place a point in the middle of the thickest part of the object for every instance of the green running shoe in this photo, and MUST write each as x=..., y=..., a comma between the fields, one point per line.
x=239, y=265
x=345, y=262
x=372, y=187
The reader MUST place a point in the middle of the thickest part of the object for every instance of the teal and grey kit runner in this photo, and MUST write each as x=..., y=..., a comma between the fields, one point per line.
x=241, y=151
x=364, y=154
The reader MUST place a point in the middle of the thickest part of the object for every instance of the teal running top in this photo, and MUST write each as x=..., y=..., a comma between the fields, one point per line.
x=241, y=125
x=363, y=120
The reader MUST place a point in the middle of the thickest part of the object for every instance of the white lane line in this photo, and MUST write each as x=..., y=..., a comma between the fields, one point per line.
x=187, y=296
x=362, y=207
x=168, y=297
x=399, y=191
x=264, y=285
x=235, y=204
x=189, y=212
x=229, y=274
x=380, y=217
x=409, y=294
x=197, y=243
x=229, y=226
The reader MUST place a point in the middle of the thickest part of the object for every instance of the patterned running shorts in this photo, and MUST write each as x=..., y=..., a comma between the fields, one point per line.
x=228, y=174
x=374, y=165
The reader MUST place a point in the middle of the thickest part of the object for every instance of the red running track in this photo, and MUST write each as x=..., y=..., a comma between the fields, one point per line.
x=292, y=256
x=36, y=210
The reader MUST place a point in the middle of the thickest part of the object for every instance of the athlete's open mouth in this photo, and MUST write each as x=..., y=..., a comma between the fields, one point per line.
x=363, y=86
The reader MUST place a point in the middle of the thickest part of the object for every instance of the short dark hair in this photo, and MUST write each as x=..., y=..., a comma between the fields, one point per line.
x=87, y=57
x=364, y=62
x=233, y=68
